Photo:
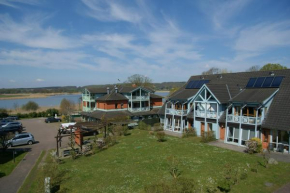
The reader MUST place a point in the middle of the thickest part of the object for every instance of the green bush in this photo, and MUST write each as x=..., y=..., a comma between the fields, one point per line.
x=143, y=126
x=190, y=132
x=207, y=136
x=254, y=145
x=160, y=136
x=30, y=106
x=3, y=113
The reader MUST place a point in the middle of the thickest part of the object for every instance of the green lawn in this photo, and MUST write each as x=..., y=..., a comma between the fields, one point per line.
x=138, y=160
x=7, y=163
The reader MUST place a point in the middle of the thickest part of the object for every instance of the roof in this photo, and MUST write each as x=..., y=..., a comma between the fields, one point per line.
x=98, y=90
x=155, y=96
x=117, y=114
x=112, y=97
x=220, y=91
x=257, y=95
x=183, y=94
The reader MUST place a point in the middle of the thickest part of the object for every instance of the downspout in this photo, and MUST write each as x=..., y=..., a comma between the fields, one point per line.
x=240, y=126
x=165, y=118
x=226, y=125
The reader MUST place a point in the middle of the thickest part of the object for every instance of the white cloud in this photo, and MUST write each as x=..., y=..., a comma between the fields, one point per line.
x=42, y=59
x=111, y=11
x=39, y=80
x=264, y=36
x=13, y=3
x=12, y=81
x=31, y=34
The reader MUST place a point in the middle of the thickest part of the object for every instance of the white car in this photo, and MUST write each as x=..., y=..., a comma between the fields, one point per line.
x=65, y=126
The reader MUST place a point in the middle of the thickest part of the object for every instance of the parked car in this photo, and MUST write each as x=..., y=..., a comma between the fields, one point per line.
x=52, y=119
x=5, y=121
x=14, y=128
x=13, y=118
x=21, y=139
x=9, y=124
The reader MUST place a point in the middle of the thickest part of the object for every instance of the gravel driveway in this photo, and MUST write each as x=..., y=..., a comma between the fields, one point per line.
x=44, y=134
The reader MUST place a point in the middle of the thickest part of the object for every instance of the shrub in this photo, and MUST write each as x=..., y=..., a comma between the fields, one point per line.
x=30, y=106
x=190, y=132
x=254, y=145
x=143, y=126
x=207, y=136
x=51, y=112
x=3, y=113
x=160, y=136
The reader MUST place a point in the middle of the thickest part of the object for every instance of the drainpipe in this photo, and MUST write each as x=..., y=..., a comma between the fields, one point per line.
x=240, y=126
x=226, y=125
x=193, y=114
x=205, y=112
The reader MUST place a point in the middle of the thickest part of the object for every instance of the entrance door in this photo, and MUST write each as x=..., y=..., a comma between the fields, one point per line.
x=202, y=127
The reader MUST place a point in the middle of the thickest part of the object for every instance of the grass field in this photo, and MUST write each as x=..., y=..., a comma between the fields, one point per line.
x=138, y=160
x=7, y=163
x=10, y=96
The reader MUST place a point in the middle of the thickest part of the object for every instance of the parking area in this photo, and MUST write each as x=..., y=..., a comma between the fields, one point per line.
x=44, y=134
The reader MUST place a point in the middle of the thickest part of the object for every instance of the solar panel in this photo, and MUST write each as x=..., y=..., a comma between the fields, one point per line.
x=277, y=81
x=268, y=81
x=189, y=84
x=201, y=83
x=251, y=82
x=259, y=82
x=195, y=83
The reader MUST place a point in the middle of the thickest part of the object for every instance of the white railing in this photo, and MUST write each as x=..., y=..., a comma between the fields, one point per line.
x=244, y=119
x=209, y=114
x=87, y=98
x=138, y=98
x=176, y=112
x=139, y=109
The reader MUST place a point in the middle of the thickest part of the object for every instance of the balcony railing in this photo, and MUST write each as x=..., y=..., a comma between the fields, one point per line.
x=139, y=109
x=244, y=119
x=88, y=98
x=209, y=114
x=176, y=112
x=138, y=98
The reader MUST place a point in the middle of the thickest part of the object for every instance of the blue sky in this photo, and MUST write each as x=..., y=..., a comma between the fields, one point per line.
x=62, y=42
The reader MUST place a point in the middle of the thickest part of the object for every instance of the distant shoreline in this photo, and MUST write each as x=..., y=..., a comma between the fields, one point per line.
x=31, y=95
x=162, y=91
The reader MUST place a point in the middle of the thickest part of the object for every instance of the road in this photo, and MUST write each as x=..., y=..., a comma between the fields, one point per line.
x=45, y=134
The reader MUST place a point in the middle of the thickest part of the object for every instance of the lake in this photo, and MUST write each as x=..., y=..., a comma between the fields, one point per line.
x=50, y=101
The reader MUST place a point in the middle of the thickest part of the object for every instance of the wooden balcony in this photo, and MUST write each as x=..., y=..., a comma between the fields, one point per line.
x=209, y=114
x=176, y=112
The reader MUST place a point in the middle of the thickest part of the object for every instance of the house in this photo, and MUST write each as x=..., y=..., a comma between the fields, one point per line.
x=235, y=106
x=120, y=101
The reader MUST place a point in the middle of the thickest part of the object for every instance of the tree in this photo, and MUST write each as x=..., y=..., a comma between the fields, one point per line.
x=214, y=70
x=4, y=136
x=66, y=106
x=3, y=113
x=30, y=106
x=253, y=68
x=139, y=80
x=271, y=66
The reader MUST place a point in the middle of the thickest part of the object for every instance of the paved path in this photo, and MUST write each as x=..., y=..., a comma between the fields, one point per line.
x=44, y=134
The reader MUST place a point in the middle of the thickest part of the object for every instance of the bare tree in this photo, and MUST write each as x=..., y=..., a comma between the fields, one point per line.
x=215, y=70
x=139, y=80
x=253, y=68
x=66, y=107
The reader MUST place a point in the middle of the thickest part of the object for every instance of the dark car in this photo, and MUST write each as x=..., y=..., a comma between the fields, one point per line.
x=12, y=128
x=9, y=124
x=52, y=119
x=4, y=121
x=12, y=118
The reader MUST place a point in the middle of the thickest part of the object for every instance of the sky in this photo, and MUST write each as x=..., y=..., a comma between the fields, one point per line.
x=87, y=42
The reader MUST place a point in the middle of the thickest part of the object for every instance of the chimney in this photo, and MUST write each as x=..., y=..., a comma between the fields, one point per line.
x=108, y=90
x=116, y=89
